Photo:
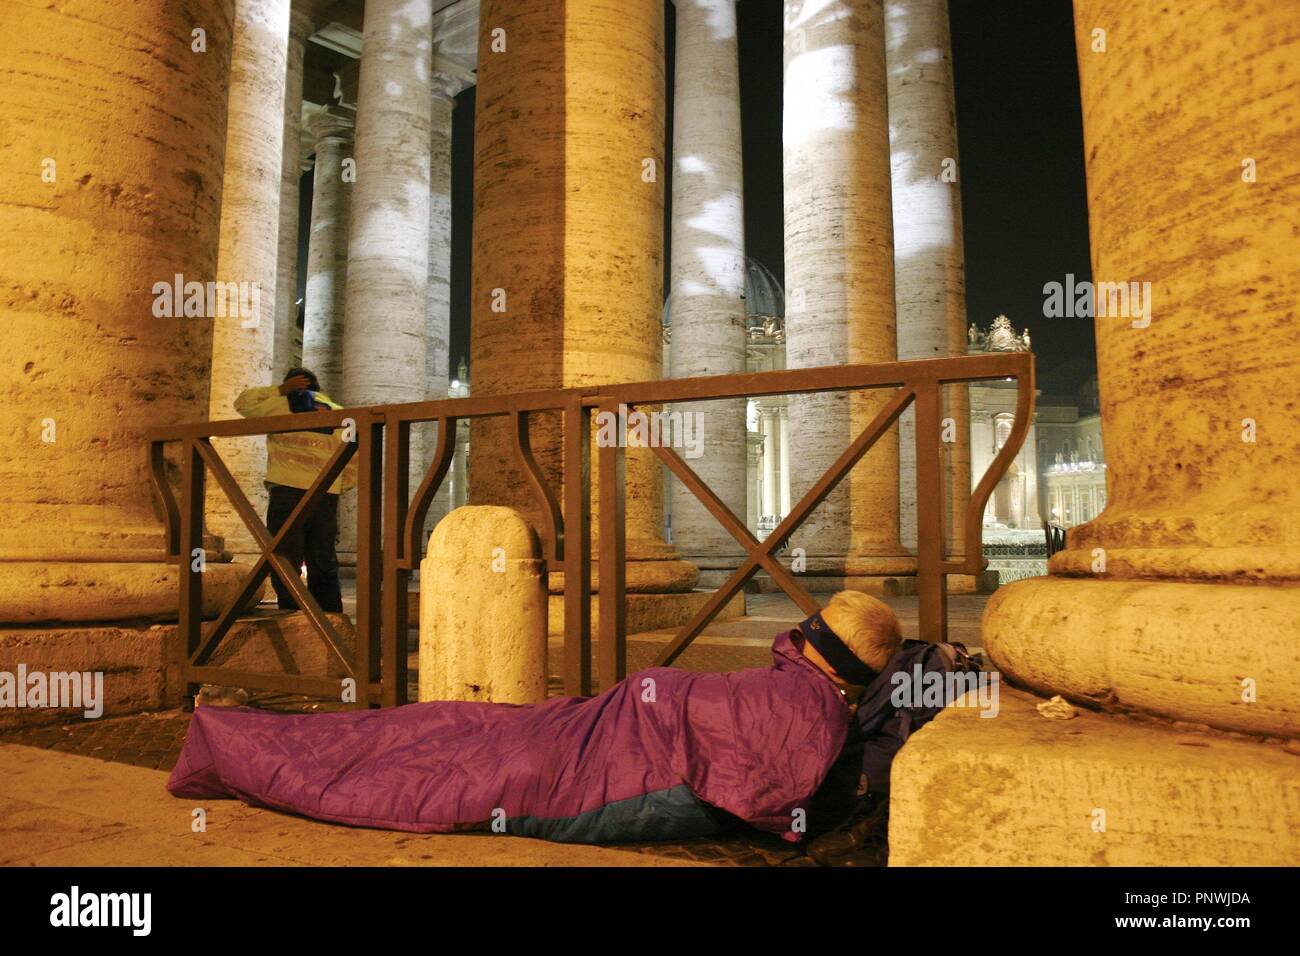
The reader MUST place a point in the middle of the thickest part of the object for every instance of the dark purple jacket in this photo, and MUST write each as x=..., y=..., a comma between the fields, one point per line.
x=650, y=758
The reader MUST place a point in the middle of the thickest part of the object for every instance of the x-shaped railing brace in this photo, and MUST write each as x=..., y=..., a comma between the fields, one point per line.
x=760, y=552
x=271, y=560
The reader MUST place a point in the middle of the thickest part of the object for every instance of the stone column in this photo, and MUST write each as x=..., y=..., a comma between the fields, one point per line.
x=460, y=467
x=243, y=343
x=839, y=270
x=783, y=430
x=286, y=278
x=752, y=481
x=387, y=312
x=327, y=251
x=388, y=245
x=929, y=273
x=770, y=489
x=568, y=235
x=112, y=170
x=438, y=316
x=707, y=283
x=1185, y=591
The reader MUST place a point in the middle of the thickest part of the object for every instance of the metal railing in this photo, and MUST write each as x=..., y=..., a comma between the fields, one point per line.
x=1055, y=535
x=389, y=528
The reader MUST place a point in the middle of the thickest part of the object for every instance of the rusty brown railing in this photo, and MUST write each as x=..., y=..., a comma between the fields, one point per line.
x=389, y=527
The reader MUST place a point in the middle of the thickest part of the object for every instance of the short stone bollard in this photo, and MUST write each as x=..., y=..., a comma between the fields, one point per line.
x=483, y=609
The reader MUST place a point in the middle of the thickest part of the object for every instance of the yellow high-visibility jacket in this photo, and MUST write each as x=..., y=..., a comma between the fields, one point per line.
x=295, y=458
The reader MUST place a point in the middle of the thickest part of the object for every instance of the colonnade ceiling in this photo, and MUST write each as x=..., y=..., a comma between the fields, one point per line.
x=333, y=56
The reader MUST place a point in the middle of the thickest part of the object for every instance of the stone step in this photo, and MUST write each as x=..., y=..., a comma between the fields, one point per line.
x=135, y=660
x=1021, y=790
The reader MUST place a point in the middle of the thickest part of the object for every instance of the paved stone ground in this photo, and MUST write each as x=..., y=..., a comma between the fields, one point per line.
x=153, y=740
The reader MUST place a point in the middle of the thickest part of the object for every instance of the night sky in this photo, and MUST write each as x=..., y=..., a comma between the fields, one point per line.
x=1020, y=144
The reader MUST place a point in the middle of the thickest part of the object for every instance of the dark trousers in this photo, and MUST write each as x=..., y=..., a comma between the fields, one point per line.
x=313, y=542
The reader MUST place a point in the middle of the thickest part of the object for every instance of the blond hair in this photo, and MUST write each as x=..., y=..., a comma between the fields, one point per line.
x=866, y=625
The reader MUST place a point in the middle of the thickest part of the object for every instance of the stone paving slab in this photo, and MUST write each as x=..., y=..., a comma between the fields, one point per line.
x=65, y=810
x=152, y=742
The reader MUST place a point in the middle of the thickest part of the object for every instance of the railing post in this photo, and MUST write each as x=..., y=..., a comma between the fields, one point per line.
x=190, y=610
x=370, y=464
x=396, y=622
x=612, y=584
x=577, y=549
x=931, y=582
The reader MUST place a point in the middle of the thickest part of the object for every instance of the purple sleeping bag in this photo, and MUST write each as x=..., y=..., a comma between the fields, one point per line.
x=650, y=758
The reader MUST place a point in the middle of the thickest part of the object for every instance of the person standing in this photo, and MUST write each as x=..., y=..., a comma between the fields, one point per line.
x=293, y=461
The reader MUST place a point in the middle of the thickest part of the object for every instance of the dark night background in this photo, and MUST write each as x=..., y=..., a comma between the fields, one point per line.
x=1020, y=145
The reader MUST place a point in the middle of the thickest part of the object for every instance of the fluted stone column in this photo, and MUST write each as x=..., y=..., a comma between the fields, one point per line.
x=929, y=272
x=243, y=344
x=707, y=285
x=286, y=284
x=839, y=269
x=1185, y=592
x=112, y=167
x=568, y=235
x=327, y=251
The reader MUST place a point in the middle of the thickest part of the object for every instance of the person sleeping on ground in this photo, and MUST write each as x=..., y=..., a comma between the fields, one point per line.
x=664, y=754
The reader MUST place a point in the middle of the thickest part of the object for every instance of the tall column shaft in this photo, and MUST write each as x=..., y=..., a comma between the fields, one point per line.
x=388, y=246
x=112, y=168
x=438, y=316
x=707, y=287
x=286, y=277
x=327, y=253
x=839, y=268
x=568, y=235
x=243, y=343
x=929, y=269
x=387, y=310
x=1186, y=589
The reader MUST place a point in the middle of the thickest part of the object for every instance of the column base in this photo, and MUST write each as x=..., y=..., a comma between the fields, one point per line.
x=35, y=592
x=1030, y=791
x=1192, y=652
x=650, y=612
x=877, y=585
x=136, y=659
x=666, y=576
x=715, y=568
x=986, y=582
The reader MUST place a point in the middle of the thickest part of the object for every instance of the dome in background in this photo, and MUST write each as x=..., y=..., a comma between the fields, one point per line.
x=764, y=300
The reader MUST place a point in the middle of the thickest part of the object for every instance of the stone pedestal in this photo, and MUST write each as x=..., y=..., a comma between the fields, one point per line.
x=707, y=287
x=568, y=238
x=839, y=270
x=483, y=610
x=1180, y=600
x=243, y=343
x=100, y=214
x=1092, y=791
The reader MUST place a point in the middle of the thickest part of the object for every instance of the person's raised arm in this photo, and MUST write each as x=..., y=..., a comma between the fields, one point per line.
x=261, y=401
